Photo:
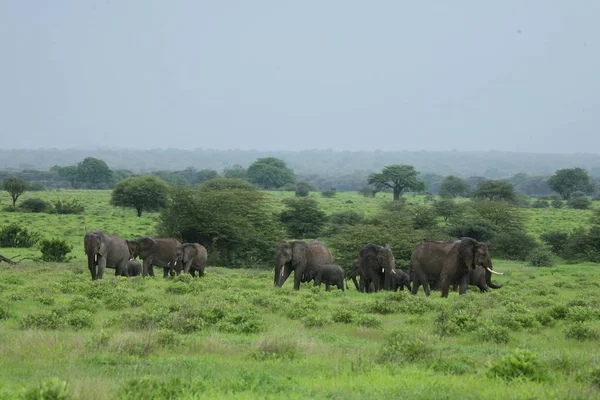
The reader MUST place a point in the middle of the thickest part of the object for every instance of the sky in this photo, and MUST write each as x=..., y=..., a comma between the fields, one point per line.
x=440, y=75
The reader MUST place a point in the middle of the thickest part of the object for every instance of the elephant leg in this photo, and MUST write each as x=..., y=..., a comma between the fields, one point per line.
x=463, y=284
x=166, y=271
x=148, y=269
x=193, y=273
x=327, y=287
x=201, y=272
x=446, y=281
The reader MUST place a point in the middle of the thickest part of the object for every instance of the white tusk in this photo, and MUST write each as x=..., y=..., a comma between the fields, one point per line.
x=494, y=272
x=382, y=270
x=393, y=272
x=282, y=270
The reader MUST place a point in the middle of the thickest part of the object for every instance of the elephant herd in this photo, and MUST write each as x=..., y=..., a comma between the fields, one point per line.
x=437, y=265
x=434, y=264
x=110, y=251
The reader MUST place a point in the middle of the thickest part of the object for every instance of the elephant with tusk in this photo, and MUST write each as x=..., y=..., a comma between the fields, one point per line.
x=450, y=263
x=105, y=251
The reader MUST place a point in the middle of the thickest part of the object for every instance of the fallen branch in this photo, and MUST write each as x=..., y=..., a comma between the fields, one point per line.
x=6, y=260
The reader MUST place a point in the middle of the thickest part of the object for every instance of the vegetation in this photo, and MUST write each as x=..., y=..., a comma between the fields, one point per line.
x=496, y=191
x=397, y=178
x=302, y=218
x=453, y=186
x=144, y=193
x=570, y=180
x=270, y=173
x=15, y=187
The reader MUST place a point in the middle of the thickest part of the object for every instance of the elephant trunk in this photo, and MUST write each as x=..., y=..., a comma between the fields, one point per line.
x=488, y=281
x=387, y=285
x=92, y=263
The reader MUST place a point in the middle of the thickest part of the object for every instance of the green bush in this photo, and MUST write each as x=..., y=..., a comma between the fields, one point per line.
x=491, y=332
x=4, y=312
x=559, y=311
x=512, y=245
x=519, y=364
x=50, y=389
x=381, y=306
x=49, y=320
x=314, y=321
x=581, y=313
x=344, y=316
x=80, y=319
x=13, y=235
x=477, y=228
x=329, y=193
x=68, y=207
x=346, y=218
x=540, y=204
x=557, y=204
x=369, y=321
x=276, y=348
x=168, y=338
x=581, y=331
x=33, y=205
x=402, y=346
x=55, y=250
x=579, y=203
x=303, y=189
x=541, y=258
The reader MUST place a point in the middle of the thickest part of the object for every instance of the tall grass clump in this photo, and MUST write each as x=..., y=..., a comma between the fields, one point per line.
x=519, y=364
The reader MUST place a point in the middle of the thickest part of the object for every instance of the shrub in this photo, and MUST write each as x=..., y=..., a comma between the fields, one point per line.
x=36, y=187
x=68, y=207
x=314, y=321
x=369, y=321
x=557, y=204
x=4, y=312
x=168, y=338
x=344, y=316
x=541, y=258
x=302, y=217
x=80, y=320
x=452, y=320
x=329, y=193
x=512, y=245
x=579, y=203
x=423, y=217
x=54, y=319
x=276, y=348
x=516, y=365
x=559, y=311
x=33, y=205
x=55, y=250
x=556, y=240
x=50, y=389
x=540, y=204
x=477, y=228
x=243, y=321
x=381, y=307
x=13, y=235
x=580, y=313
x=303, y=189
x=346, y=218
x=581, y=331
x=453, y=366
x=490, y=332
x=408, y=347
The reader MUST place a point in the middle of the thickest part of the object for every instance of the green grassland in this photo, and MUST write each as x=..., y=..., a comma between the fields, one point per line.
x=233, y=335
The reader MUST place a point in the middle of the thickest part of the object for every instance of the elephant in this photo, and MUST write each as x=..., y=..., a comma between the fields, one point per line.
x=376, y=261
x=159, y=252
x=330, y=274
x=105, y=251
x=354, y=274
x=400, y=279
x=449, y=263
x=480, y=277
x=134, y=268
x=191, y=257
x=300, y=257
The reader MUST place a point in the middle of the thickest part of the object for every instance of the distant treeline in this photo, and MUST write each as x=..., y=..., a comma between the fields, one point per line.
x=324, y=169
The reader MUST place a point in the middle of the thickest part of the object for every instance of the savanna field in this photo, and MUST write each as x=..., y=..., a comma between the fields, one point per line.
x=232, y=334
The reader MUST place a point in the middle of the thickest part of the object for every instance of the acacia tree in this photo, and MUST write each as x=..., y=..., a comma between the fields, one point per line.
x=570, y=180
x=15, y=187
x=452, y=186
x=398, y=178
x=235, y=172
x=270, y=173
x=496, y=190
x=144, y=193
x=302, y=218
x=94, y=172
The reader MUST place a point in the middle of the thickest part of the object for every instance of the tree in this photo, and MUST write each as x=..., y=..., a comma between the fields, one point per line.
x=234, y=223
x=70, y=174
x=302, y=218
x=144, y=193
x=15, y=187
x=270, y=173
x=569, y=180
x=303, y=189
x=94, y=172
x=235, y=172
x=445, y=208
x=398, y=178
x=204, y=175
x=496, y=190
x=452, y=186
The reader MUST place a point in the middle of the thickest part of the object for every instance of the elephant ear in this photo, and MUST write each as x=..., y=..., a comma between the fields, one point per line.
x=300, y=252
x=146, y=243
x=466, y=251
x=102, y=241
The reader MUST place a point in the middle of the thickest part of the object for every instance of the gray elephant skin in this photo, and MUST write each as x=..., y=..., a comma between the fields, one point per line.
x=190, y=257
x=400, y=280
x=329, y=274
x=300, y=257
x=449, y=263
x=480, y=277
x=154, y=251
x=134, y=268
x=375, y=260
x=105, y=251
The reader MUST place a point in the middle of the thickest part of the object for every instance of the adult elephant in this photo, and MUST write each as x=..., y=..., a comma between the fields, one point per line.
x=449, y=262
x=482, y=278
x=300, y=257
x=376, y=266
x=190, y=257
x=105, y=251
x=154, y=251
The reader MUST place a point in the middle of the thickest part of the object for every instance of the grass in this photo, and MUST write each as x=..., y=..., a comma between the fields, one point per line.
x=232, y=335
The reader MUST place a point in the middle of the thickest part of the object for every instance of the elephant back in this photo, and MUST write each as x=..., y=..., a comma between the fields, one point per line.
x=319, y=253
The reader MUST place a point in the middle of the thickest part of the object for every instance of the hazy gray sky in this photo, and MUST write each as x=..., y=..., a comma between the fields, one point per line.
x=511, y=75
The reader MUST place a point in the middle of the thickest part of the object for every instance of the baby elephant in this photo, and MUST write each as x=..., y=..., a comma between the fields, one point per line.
x=134, y=268
x=330, y=274
x=400, y=279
